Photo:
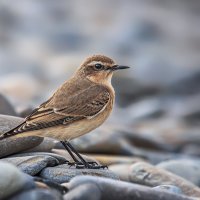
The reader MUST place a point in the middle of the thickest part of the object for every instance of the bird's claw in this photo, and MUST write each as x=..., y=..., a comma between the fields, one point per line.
x=88, y=165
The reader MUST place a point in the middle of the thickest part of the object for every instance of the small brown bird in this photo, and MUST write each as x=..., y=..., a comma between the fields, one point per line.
x=80, y=105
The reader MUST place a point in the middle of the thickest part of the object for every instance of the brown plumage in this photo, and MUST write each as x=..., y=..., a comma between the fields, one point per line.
x=80, y=105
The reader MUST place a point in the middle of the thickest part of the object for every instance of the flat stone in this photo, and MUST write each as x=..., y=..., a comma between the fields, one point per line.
x=12, y=180
x=15, y=144
x=32, y=165
x=110, y=189
x=60, y=158
x=38, y=194
x=64, y=173
x=186, y=168
x=146, y=174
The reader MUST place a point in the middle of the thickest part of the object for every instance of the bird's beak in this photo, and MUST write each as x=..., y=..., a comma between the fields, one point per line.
x=117, y=67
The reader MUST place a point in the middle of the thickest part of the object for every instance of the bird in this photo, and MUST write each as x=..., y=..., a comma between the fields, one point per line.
x=78, y=106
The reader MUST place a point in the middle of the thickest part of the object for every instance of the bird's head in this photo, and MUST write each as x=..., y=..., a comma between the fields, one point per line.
x=99, y=68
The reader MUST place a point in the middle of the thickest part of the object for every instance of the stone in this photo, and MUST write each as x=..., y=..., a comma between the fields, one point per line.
x=15, y=144
x=33, y=165
x=5, y=107
x=110, y=189
x=88, y=191
x=169, y=188
x=186, y=168
x=38, y=194
x=146, y=174
x=12, y=180
x=60, y=158
x=46, y=146
x=64, y=173
x=114, y=159
x=122, y=170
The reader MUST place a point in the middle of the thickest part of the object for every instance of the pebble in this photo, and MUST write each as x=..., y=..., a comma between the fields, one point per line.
x=64, y=173
x=19, y=143
x=12, y=180
x=169, y=188
x=146, y=174
x=186, y=168
x=38, y=194
x=32, y=165
x=113, y=189
x=46, y=146
x=5, y=107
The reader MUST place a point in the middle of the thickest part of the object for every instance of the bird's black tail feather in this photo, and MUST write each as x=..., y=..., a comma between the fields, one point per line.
x=10, y=132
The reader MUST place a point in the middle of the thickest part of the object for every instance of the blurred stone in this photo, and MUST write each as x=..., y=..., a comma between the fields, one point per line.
x=118, y=140
x=146, y=174
x=186, y=168
x=169, y=188
x=112, y=189
x=5, y=107
x=188, y=85
x=144, y=109
x=122, y=170
x=25, y=111
x=33, y=165
x=126, y=94
x=12, y=180
x=88, y=191
x=48, y=184
x=114, y=159
x=191, y=149
x=46, y=146
x=64, y=173
x=22, y=87
x=38, y=194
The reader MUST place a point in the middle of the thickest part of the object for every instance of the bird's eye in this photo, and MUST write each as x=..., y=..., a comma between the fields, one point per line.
x=98, y=66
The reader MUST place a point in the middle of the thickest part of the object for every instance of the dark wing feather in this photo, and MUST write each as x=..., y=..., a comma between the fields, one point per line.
x=87, y=103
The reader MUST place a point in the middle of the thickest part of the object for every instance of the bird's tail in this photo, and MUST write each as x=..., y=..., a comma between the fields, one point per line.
x=9, y=133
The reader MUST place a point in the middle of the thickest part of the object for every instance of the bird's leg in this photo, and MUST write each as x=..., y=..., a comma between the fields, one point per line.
x=89, y=165
x=69, y=151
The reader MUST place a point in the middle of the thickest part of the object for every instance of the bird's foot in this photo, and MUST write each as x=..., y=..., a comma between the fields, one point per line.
x=87, y=165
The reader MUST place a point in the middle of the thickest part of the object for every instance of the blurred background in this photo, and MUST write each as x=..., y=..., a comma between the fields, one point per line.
x=43, y=41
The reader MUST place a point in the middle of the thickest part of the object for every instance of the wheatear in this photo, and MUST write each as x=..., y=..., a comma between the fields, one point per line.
x=80, y=105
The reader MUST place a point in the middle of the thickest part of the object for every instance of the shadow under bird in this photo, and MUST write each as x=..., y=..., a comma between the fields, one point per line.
x=78, y=106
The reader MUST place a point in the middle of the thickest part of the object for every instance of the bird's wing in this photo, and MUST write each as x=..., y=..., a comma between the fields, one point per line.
x=85, y=104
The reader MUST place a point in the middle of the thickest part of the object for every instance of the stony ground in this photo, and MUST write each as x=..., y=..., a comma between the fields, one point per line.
x=153, y=156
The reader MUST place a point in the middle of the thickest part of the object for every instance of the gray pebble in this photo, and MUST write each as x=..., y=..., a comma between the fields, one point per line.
x=169, y=188
x=88, y=191
x=38, y=194
x=32, y=165
x=64, y=173
x=114, y=189
x=5, y=107
x=12, y=180
x=186, y=168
